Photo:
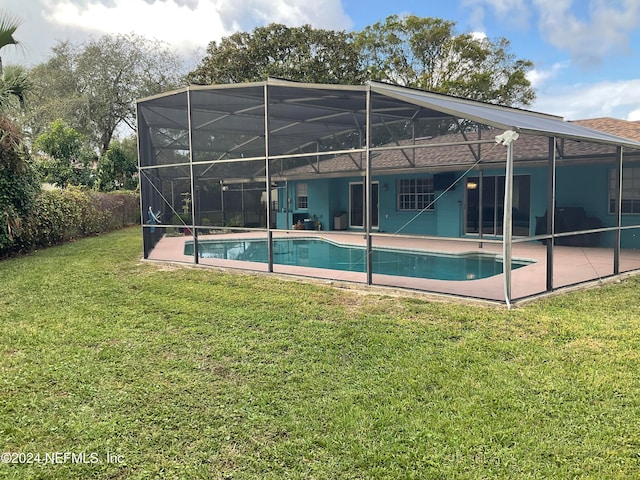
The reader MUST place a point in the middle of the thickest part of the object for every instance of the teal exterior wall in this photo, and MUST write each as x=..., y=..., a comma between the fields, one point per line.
x=330, y=197
x=585, y=186
x=339, y=196
x=393, y=220
x=319, y=203
x=324, y=198
x=577, y=186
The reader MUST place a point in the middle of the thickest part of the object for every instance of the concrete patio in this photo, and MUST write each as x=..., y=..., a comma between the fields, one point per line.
x=572, y=265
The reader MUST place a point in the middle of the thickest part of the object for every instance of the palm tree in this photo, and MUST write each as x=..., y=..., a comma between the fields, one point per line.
x=15, y=83
x=14, y=80
x=8, y=26
x=20, y=182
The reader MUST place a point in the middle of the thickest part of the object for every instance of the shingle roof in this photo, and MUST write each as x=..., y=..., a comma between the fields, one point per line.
x=614, y=126
x=447, y=157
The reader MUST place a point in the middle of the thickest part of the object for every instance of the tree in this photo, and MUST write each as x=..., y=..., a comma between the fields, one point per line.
x=299, y=53
x=19, y=181
x=15, y=85
x=14, y=80
x=93, y=86
x=117, y=167
x=428, y=53
x=69, y=158
x=8, y=26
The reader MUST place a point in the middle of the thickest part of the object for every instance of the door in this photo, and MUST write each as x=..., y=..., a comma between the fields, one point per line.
x=485, y=205
x=357, y=202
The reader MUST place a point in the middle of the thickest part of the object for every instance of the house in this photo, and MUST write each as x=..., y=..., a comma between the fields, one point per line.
x=454, y=191
x=269, y=158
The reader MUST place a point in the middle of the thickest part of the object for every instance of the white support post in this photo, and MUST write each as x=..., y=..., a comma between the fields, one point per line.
x=507, y=226
x=507, y=139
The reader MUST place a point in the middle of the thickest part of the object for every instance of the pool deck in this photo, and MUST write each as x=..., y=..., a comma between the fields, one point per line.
x=572, y=265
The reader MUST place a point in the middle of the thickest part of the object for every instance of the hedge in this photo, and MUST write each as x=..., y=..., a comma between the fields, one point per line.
x=59, y=216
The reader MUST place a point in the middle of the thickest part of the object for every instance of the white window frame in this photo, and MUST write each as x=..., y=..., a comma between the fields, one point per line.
x=630, y=191
x=302, y=196
x=417, y=198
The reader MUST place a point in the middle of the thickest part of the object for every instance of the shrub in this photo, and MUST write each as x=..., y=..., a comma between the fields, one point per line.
x=62, y=215
x=19, y=182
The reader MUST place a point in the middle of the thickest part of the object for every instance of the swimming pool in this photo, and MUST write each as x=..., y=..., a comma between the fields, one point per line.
x=321, y=253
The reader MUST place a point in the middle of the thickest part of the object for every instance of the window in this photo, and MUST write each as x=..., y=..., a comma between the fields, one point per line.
x=630, y=190
x=302, y=198
x=415, y=194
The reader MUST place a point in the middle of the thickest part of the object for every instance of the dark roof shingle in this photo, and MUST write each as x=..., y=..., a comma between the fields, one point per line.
x=614, y=126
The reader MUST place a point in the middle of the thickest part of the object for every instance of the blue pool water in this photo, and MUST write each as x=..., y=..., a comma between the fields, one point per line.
x=318, y=253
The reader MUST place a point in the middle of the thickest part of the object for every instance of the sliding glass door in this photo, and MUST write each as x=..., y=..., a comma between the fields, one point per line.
x=357, y=203
x=485, y=205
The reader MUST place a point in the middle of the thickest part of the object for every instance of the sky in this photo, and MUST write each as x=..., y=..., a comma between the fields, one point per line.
x=586, y=52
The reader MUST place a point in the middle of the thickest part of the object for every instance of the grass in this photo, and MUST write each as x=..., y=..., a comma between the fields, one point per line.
x=194, y=373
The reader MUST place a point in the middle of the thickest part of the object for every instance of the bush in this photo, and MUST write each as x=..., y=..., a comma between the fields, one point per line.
x=58, y=216
x=19, y=182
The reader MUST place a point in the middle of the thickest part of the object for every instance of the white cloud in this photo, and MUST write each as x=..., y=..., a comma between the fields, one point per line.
x=606, y=99
x=605, y=32
x=512, y=12
x=634, y=116
x=589, y=30
x=35, y=34
x=244, y=15
x=187, y=25
x=178, y=25
x=538, y=77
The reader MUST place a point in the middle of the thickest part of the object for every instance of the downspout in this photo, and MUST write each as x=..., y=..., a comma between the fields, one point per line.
x=507, y=139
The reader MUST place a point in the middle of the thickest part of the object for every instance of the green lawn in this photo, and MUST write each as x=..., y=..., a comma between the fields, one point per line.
x=193, y=373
